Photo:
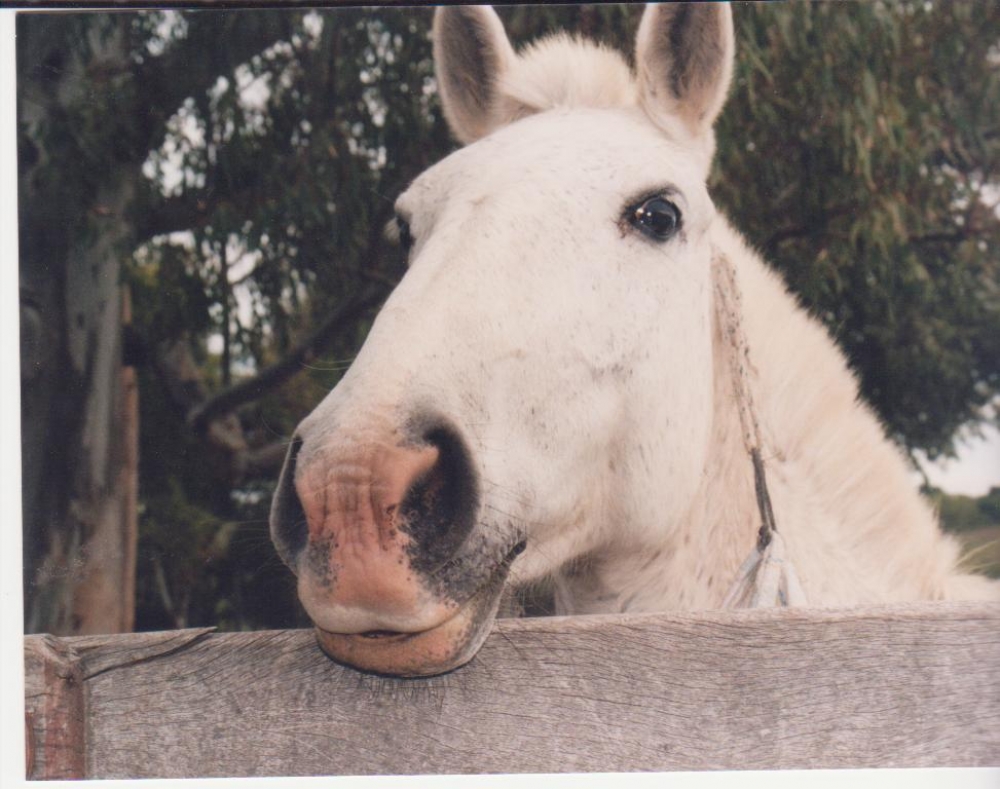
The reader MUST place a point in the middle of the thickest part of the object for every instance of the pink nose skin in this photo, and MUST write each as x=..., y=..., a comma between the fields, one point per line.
x=356, y=575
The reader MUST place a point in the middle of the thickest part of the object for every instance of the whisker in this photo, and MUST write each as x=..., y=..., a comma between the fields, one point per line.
x=336, y=368
x=272, y=431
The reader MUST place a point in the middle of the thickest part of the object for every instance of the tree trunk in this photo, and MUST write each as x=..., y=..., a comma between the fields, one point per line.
x=78, y=412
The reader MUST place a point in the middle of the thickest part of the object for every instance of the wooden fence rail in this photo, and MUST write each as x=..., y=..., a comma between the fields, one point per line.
x=902, y=686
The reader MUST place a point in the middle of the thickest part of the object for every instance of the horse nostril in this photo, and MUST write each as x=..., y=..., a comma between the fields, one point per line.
x=289, y=529
x=440, y=507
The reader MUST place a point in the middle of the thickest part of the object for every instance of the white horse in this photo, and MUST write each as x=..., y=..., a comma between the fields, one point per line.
x=546, y=394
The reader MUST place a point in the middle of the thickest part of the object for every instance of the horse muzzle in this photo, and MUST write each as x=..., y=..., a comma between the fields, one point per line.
x=380, y=531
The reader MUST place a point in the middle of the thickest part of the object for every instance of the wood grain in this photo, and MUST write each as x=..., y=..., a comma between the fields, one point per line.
x=53, y=710
x=900, y=686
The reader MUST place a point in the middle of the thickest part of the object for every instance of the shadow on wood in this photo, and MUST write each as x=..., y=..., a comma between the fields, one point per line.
x=894, y=686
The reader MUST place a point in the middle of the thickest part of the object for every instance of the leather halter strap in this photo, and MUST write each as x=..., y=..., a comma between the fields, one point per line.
x=729, y=309
x=766, y=578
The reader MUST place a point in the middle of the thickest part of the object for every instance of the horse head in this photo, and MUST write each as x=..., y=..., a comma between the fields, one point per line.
x=544, y=368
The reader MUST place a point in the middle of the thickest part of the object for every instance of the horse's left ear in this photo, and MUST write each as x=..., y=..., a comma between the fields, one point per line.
x=684, y=56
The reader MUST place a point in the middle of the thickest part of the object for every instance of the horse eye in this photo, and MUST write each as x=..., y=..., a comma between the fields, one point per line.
x=656, y=217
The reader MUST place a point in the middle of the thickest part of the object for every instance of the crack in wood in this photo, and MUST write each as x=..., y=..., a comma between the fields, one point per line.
x=97, y=657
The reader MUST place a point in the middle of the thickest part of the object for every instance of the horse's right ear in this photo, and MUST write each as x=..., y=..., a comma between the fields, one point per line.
x=684, y=55
x=471, y=52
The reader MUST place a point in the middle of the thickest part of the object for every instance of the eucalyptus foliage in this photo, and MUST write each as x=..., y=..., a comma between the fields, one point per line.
x=860, y=152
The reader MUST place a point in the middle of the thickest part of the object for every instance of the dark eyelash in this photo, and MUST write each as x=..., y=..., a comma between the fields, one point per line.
x=667, y=190
x=404, y=233
x=397, y=232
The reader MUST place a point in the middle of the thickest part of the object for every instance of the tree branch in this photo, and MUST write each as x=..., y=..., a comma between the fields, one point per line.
x=228, y=400
x=221, y=42
x=266, y=461
x=951, y=237
x=787, y=234
x=812, y=226
x=186, y=212
x=271, y=377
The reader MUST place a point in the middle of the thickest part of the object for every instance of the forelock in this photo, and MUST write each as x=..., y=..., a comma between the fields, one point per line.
x=565, y=72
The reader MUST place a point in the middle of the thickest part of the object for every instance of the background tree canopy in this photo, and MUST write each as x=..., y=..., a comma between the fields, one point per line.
x=235, y=170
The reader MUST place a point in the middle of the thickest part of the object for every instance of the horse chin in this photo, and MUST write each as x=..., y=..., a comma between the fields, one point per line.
x=437, y=650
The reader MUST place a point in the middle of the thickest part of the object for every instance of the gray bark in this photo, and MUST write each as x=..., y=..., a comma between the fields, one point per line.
x=88, y=115
x=78, y=402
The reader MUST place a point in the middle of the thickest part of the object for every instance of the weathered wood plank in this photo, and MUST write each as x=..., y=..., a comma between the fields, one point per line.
x=904, y=686
x=56, y=693
x=53, y=710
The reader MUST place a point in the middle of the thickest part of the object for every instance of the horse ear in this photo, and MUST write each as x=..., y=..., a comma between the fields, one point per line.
x=471, y=52
x=684, y=54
